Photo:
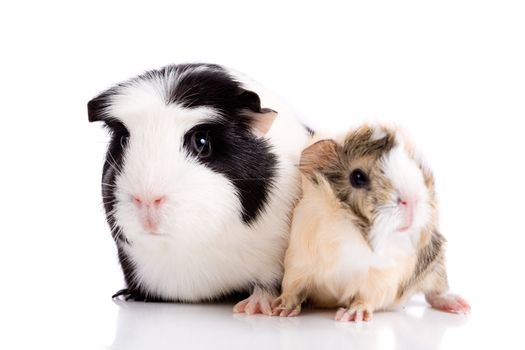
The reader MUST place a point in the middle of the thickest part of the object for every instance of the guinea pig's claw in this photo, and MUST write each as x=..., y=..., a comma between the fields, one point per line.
x=123, y=294
x=134, y=295
x=282, y=309
x=356, y=314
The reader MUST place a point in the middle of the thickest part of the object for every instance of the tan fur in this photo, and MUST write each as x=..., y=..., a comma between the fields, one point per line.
x=331, y=216
x=318, y=156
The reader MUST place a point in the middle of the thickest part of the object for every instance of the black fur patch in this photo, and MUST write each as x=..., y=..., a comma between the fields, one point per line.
x=243, y=158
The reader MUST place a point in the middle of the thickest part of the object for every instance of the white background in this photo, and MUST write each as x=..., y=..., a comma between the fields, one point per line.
x=451, y=72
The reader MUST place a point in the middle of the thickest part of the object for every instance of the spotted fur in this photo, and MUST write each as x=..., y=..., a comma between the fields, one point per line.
x=348, y=245
x=224, y=224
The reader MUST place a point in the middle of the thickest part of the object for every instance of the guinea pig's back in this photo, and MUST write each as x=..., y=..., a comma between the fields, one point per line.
x=287, y=134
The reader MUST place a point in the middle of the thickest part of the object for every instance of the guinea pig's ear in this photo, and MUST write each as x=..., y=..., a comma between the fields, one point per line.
x=261, y=118
x=97, y=107
x=319, y=158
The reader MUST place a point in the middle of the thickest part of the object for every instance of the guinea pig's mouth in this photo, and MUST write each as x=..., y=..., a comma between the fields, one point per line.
x=407, y=223
x=156, y=234
x=404, y=228
x=406, y=209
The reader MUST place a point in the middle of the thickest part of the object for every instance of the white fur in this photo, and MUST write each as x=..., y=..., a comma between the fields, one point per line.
x=407, y=179
x=386, y=243
x=204, y=249
x=357, y=256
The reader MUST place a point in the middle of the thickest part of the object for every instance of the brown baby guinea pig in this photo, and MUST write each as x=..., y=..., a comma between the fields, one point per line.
x=365, y=234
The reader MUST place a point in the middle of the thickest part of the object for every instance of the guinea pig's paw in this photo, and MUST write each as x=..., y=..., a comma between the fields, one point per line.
x=448, y=303
x=258, y=303
x=357, y=312
x=286, y=306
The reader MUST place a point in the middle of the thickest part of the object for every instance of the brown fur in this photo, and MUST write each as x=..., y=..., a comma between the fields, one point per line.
x=332, y=213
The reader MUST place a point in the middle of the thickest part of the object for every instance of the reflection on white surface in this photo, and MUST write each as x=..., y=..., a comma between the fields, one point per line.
x=165, y=326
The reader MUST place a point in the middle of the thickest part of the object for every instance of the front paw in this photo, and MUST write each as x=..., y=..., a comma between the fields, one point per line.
x=357, y=312
x=258, y=303
x=286, y=306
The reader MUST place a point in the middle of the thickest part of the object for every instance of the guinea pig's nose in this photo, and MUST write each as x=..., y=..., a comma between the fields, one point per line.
x=407, y=201
x=402, y=201
x=153, y=201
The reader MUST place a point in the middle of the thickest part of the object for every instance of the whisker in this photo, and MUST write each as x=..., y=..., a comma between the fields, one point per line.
x=110, y=202
x=114, y=164
x=118, y=234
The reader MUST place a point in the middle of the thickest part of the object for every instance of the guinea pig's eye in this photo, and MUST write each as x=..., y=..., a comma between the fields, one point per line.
x=124, y=141
x=201, y=143
x=359, y=179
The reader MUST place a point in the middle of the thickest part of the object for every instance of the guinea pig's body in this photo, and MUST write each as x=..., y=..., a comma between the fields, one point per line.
x=339, y=262
x=199, y=184
x=369, y=241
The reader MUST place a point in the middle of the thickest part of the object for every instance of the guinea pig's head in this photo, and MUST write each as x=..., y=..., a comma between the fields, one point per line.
x=375, y=175
x=187, y=155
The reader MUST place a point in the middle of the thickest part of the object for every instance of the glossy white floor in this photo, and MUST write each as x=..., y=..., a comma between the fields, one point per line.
x=140, y=326
x=143, y=326
x=451, y=72
x=85, y=324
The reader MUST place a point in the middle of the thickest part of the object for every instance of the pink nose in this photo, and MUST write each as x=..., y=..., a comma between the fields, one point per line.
x=149, y=209
x=149, y=202
x=402, y=201
x=407, y=206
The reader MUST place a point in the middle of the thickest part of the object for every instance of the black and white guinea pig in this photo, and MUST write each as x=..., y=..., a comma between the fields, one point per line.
x=198, y=184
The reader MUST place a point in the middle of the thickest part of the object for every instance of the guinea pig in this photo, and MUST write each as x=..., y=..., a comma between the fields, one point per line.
x=198, y=184
x=365, y=233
